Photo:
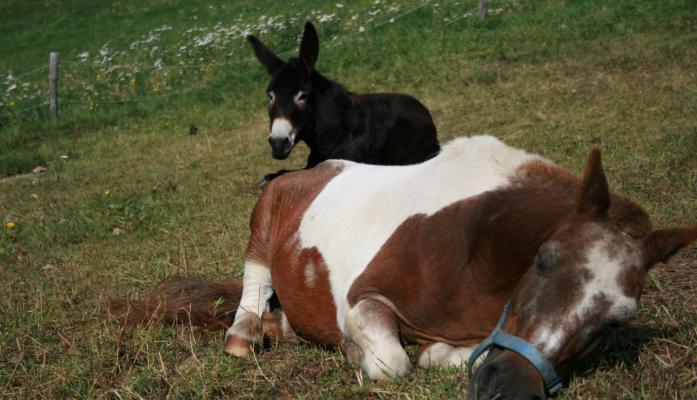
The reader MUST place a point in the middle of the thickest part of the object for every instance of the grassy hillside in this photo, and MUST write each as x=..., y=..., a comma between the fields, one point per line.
x=135, y=199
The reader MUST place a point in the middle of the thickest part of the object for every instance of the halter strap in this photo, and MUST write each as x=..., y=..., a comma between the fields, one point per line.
x=520, y=346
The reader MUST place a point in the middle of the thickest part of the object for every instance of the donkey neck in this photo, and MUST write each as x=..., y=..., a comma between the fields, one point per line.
x=329, y=123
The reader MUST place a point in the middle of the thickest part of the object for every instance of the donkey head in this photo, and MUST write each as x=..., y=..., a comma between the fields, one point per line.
x=587, y=277
x=290, y=91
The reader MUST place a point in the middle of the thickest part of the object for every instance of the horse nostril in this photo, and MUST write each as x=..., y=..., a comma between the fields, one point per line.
x=501, y=380
x=487, y=375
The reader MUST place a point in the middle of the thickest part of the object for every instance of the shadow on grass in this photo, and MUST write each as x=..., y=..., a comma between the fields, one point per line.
x=621, y=346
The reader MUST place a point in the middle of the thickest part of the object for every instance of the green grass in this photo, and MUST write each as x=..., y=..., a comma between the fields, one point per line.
x=552, y=77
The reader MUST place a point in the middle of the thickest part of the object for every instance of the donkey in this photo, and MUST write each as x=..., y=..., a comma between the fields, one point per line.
x=366, y=258
x=380, y=128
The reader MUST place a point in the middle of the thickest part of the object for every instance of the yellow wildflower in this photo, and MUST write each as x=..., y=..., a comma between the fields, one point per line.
x=10, y=225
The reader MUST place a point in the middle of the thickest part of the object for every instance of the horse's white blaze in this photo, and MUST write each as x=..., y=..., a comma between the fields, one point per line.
x=605, y=266
x=282, y=128
x=358, y=210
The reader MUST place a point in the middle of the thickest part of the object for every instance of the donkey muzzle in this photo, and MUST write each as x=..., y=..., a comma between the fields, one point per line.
x=280, y=147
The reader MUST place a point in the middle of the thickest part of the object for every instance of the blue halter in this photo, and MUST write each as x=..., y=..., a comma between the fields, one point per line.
x=520, y=346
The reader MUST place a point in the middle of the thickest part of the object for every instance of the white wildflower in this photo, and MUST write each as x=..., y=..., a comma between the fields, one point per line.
x=326, y=17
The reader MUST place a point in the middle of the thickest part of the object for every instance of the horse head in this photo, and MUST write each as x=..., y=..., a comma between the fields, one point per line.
x=290, y=91
x=586, y=277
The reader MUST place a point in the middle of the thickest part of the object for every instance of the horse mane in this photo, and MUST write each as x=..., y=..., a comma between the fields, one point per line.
x=545, y=175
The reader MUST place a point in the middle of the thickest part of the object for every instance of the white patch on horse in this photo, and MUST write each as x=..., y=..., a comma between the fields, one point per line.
x=359, y=209
x=605, y=266
x=256, y=292
x=256, y=288
x=443, y=355
x=310, y=274
x=383, y=357
x=282, y=128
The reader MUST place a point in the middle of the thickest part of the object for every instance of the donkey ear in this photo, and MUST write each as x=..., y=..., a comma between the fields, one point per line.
x=593, y=195
x=662, y=243
x=265, y=56
x=309, y=47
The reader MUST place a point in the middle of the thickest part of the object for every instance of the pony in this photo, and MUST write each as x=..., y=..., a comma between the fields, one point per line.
x=374, y=128
x=367, y=258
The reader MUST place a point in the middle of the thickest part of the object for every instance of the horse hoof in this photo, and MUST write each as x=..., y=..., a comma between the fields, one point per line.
x=239, y=347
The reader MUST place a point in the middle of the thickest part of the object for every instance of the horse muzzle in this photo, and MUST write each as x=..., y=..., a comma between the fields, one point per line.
x=502, y=376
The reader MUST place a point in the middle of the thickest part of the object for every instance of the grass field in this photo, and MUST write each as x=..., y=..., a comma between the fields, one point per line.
x=130, y=197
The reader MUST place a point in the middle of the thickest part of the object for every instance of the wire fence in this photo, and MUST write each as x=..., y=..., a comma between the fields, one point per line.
x=23, y=110
x=142, y=67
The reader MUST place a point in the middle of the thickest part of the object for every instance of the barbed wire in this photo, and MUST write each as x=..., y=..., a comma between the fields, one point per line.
x=133, y=100
x=381, y=24
x=470, y=13
x=22, y=111
x=32, y=72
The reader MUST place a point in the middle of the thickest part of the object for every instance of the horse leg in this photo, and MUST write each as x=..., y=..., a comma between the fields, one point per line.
x=443, y=355
x=276, y=327
x=246, y=333
x=373, y=329
x=269, y=177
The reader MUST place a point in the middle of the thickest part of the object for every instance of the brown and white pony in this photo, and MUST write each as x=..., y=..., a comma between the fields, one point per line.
x=367, y=258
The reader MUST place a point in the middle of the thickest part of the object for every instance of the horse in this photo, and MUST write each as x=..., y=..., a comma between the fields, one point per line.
x=373, y=128
x=366, y=258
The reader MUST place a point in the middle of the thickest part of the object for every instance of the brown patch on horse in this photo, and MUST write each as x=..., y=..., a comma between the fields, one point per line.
x=444, y=280
x=208, y=304
x=308, y=305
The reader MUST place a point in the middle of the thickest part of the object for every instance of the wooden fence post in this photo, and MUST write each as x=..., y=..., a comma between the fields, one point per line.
x=482, y=10
x=53, y=86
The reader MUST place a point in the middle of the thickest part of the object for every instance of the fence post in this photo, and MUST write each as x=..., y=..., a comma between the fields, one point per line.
x=53, y=86
x=482, y=10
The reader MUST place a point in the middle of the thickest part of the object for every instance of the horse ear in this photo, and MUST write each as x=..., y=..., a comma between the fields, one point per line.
x=662, y=243
x=265, y=56
x=309, y=47
x=593, y=195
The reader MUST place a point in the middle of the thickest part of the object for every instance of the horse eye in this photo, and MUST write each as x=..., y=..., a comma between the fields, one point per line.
x=302, y=96
x=548, y=257
x=271, y=96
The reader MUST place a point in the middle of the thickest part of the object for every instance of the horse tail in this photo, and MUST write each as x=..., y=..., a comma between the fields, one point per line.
x=181, y=300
